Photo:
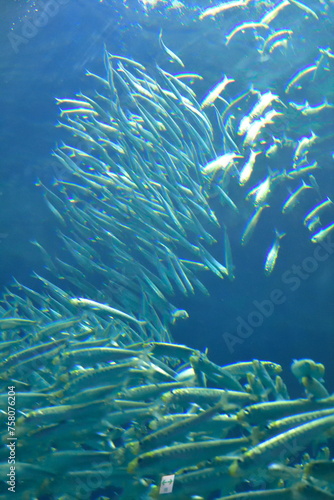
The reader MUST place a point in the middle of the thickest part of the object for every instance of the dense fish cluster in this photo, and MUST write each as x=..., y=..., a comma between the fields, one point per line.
x=145, y=198
x=99, y=417
x=137, y=198
x=154, y=179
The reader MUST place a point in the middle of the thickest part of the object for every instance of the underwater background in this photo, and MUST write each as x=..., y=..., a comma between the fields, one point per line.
x=52, y=63
x=45, y=58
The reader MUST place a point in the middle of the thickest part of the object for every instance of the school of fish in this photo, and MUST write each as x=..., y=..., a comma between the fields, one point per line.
x=102, y=415
x=153, y=178
x=106, y=405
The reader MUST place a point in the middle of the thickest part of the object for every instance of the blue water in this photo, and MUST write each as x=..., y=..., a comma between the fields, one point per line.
x=41, y=63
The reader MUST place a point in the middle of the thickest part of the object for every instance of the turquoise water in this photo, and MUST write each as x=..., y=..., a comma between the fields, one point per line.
x=52, y=62
x=47, y=47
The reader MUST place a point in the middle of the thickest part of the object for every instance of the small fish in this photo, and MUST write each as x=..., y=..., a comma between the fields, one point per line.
x=264, y=101
x=315, y=211
x=273, y=38
x=25, y=400
x=294, y=198
x=303, y=146
x=88, y=378
x=259, y=455
x=220, y=163
x=271, y=410
x=253, y=129
x=82, y=302
x=11, y=343
x=256, y=126
x=281, y=389
x=228, y=256
x=88, y=395
x=212, y=263
x=78, y=111
x=237, y=100
x=241, y=369
x=323, y=470
x=255, y=387
x=313, y=224
x=301, y=74
x=265, y=379
x=247, y=169
x=273, y=254
x=314, y=388
x=262, y=191
x=31, y=353
x=305, y=8
x=161, y=349
x=183, y=455
x=169, y=433
x=179, y=313
x=286, y=423
x=55, y=327
x=136, y=64
x=28, y=470
x=201, y=481
x=307, y=368
x=10, y=323
x=169, y=52
x=231, y=4
x=242, y=27
x=216, y=91
x=322, y=234
x=89, y=356
x=312, y=110
x=58, y=413
x=251, y=225
x=297, y=172
x=208, y=396
x=75, y=102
